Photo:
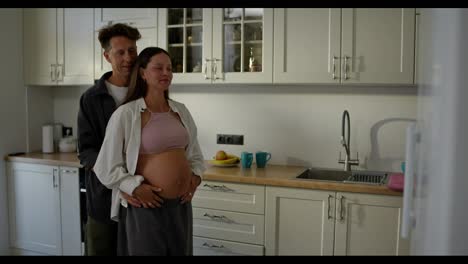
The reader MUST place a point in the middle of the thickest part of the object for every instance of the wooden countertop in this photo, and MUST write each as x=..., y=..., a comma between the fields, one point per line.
x=272, y=175
x=284, y=176
x=53, y=159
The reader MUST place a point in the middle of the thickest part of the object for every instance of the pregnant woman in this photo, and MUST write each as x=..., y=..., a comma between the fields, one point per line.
x=151, y=152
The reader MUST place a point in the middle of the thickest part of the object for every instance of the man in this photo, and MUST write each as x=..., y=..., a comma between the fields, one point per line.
x=96, y=107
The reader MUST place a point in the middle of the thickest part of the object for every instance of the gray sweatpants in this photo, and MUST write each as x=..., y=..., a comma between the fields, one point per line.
x=160, y=231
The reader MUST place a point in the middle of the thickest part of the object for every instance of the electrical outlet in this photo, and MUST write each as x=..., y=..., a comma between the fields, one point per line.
x=64, y=131
x=220, y=139
x=238, y=139
x=230, y=139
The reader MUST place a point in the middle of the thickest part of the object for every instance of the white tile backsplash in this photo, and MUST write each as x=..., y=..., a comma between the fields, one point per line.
x=299, y=125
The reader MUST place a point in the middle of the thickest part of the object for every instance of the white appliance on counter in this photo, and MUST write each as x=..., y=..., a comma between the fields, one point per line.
x=47, y=138
x=435, y=213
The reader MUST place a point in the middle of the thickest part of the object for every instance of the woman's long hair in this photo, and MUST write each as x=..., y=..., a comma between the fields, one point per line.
x=137, y=87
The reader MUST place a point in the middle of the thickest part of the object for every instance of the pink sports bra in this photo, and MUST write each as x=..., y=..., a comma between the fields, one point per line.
x=163, y=132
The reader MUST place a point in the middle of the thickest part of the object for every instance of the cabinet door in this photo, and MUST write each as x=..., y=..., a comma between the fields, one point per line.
x=307, y=45
x=135, y=17
x=369, y=225
x=75, y=46
x=299, y=222
x=40, y=45
x=34, y=206
x=70, y=211
x=378, y=45
x=187, y=35
x=245, y=198
x=214, y=247
x=227, y=225
x=242, y=45
x=101, y=66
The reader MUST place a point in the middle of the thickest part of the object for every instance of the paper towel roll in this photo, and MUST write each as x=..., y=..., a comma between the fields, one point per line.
x=47, y=139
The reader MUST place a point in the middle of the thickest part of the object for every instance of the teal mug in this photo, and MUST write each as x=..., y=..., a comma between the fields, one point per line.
x=246, y=159
x=262, y=158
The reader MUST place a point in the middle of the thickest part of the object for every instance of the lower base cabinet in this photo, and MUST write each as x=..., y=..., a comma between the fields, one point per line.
x=228, y=219
x=44, y=209
x=313, y=222
x=213, y=247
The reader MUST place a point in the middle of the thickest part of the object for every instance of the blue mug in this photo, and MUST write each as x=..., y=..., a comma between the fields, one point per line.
x=262, y=158
x=246, y=159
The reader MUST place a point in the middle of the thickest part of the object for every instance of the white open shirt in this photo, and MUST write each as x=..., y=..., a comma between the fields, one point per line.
x=116, y=163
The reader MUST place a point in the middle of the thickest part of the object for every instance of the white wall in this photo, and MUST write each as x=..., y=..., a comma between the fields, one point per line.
x=299, y=125
x=40, y=111
x=66, y=105
x=12, y=105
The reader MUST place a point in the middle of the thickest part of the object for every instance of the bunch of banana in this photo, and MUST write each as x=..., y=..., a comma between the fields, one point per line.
x=223, y=158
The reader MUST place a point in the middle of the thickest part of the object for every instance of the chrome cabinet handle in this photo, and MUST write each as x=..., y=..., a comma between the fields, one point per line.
x=59, y=72
x=212, y=246
x=52, y=72
x=345, y=66
x=334, y=67
x=55, y=179
x=329, y=207
x=206, y=68
x=219, y=187
x=215, y=69
x=342, y=207
x=69, y=171
x=217, y=217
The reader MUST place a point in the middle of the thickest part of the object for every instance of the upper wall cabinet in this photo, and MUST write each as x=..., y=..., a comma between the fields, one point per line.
x=229, y=45
x=135, y=17
x=58, y=46
x=144, y=19
x=347, y=46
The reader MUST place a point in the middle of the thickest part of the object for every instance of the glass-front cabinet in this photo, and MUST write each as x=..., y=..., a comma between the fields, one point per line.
x=221, y=45
x=186, y=34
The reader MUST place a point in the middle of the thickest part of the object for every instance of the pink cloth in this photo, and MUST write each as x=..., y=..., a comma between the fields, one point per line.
x=163, y=132
x=396, y=181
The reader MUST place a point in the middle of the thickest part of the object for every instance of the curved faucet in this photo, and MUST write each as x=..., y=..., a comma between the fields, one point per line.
x=346, y=144
x=344, y=141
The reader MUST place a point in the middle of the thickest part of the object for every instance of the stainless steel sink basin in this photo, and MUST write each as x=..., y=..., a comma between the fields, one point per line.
x=324, y=175
x=363, y=177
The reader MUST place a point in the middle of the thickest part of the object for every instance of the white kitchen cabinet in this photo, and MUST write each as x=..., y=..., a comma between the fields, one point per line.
x=70, y=211
x=34, y=206
x=344, y=46
x=213, y=247
x=367, y=224
x=228, y=219
x=144, y=19
x=313, y=222
x=220, y=45
x=44, y=209
x=135, y=17
x=58, y=46
x=299, y=221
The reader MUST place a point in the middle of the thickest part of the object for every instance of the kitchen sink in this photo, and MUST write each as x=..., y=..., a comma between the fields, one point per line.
x=368, y=177
x=324, y=175
x=363, y=177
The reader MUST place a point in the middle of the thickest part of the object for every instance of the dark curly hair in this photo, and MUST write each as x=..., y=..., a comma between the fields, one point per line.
x=119, y=29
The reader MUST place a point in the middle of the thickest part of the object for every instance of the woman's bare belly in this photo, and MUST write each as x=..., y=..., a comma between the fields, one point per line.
x=169, y=170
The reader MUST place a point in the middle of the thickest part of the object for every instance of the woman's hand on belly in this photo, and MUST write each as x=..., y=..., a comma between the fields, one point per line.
x=131, y=200
x=147, y=195
x=194, y=182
